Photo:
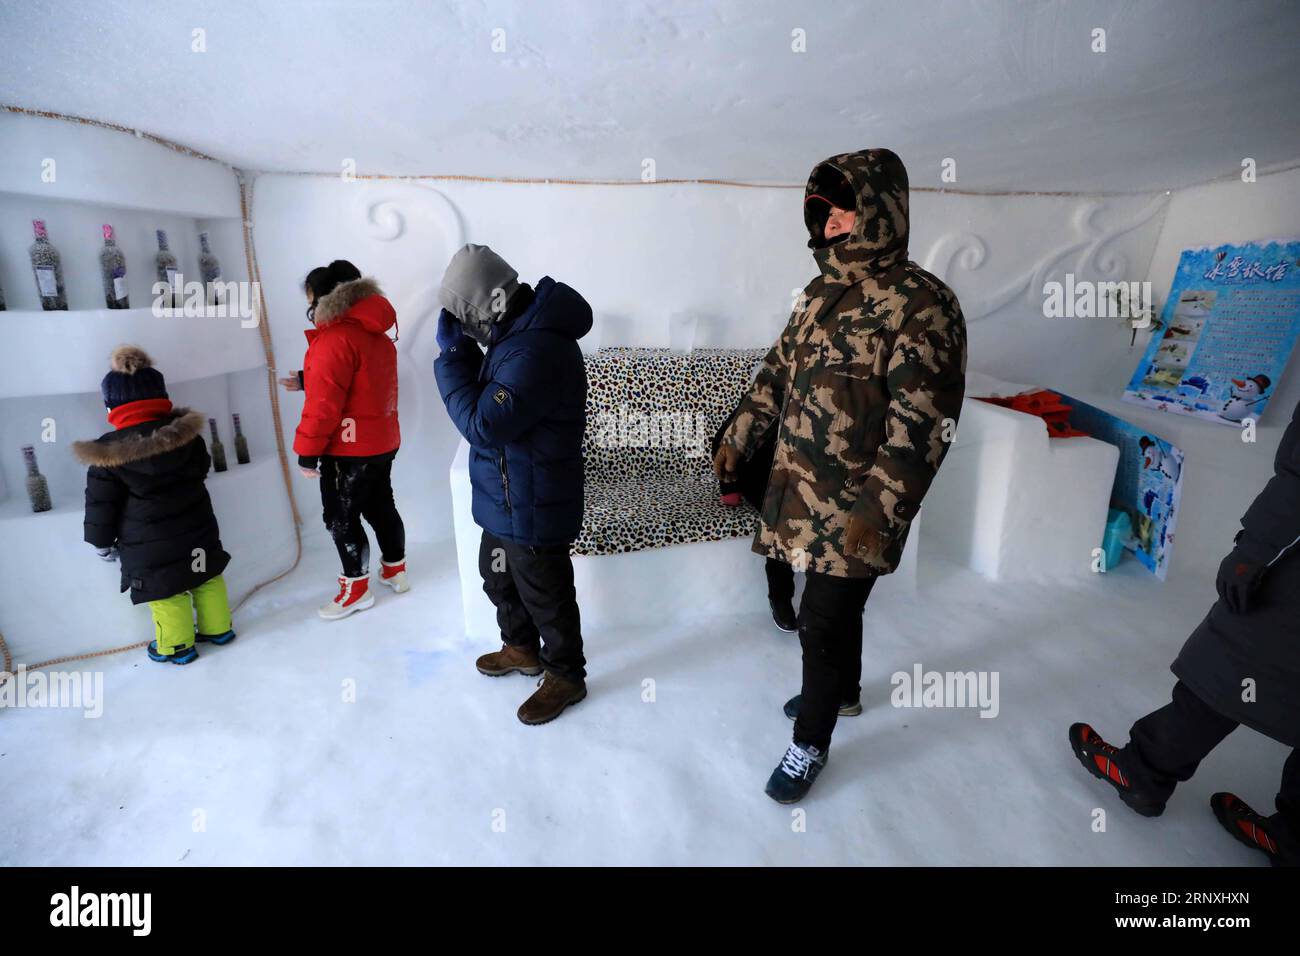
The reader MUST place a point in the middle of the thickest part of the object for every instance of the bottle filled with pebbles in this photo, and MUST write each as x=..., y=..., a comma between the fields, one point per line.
x=38, y=489
x=112, y=269
x=166, y=271
x=47, y=267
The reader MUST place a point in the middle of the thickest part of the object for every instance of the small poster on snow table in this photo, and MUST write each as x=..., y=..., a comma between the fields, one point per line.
x=1227, y=330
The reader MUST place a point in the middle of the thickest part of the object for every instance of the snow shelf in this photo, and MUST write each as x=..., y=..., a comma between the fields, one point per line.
x=55, y=159
x=59, y=352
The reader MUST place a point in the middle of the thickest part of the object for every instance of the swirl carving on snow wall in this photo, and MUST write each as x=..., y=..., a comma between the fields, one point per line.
x=391, y=212
x=1095, y=248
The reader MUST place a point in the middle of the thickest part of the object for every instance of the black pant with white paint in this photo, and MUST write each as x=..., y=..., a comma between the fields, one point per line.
x=830, y=632
x=532, y=590
x=352, y=488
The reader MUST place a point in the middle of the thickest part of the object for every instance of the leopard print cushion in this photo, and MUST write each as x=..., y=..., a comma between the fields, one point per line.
x=651, y=416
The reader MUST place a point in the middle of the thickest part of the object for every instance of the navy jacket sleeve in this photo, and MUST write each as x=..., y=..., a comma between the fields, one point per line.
x=1271, y=526
x=105, y=499
x=495, y=413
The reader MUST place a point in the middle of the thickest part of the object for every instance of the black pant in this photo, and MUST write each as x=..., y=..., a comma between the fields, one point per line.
x=356, y=488
x=1166, y=746
x=830, y=632
x=780, y=580
x=532, y=590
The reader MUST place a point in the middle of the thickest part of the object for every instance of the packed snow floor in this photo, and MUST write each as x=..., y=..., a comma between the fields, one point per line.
x=252, y=755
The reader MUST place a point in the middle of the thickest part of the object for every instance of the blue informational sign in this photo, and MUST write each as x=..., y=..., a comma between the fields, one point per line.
x=1229, y=326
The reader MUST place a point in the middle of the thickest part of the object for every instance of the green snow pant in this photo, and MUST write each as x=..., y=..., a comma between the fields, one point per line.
x=173, y=617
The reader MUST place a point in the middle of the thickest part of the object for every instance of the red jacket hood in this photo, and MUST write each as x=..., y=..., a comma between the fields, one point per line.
x=360, y=300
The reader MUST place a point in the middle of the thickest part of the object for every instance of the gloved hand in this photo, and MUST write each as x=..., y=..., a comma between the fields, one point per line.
x=309, y=465
x=861, y=537
x=449, y=330
x=107, y=554
x=1238, y=578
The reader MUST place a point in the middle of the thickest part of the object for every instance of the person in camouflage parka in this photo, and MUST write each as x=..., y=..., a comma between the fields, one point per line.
x=865, y=386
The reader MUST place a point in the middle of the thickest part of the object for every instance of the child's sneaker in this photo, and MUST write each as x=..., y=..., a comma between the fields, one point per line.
x=1248, y=827
x=217, y=639
x=394, y=575
x=182, y=655
x=354, y=595
x=794, y=776
x=1104, y=761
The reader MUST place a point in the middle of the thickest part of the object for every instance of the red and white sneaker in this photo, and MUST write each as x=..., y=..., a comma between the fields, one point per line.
x=354, y=595
x=394, y=575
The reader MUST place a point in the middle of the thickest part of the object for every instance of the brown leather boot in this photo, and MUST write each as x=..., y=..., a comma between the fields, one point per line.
x=553, y=694
x=509, y=660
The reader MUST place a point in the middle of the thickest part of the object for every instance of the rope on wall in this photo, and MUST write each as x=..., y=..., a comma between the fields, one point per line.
x=264, y=327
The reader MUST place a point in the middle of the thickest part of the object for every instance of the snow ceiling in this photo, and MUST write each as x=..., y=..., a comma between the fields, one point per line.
x=1012, y=91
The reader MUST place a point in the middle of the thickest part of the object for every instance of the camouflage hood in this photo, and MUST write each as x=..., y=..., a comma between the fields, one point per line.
x=878, y=241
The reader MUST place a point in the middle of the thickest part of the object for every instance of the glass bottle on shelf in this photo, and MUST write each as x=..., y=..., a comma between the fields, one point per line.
x=209, y=271
x=166, y=271
x=241, y=443
x=218, y=449
x=38, y=489
x=48, y=269
x=112, y=269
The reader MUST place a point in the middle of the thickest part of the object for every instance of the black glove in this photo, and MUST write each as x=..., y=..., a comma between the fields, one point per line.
x=310, y=462
x=1238, y=577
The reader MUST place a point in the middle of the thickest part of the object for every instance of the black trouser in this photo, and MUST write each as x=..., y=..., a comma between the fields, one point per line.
x=830, y=632
x=356, y=488
x=532, y=589
x=780, y=580
x=1166, y=746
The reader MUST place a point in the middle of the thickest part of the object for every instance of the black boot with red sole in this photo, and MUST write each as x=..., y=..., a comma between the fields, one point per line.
x=1248, y=827
x=1103, y=761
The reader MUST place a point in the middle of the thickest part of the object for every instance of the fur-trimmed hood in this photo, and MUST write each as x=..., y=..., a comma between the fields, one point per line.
x=179, y=427
x=361, y=300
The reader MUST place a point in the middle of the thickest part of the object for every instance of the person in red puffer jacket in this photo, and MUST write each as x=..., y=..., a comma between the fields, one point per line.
x=348, y=434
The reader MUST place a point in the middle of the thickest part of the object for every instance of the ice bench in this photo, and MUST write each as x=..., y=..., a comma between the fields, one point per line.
x=656, y=543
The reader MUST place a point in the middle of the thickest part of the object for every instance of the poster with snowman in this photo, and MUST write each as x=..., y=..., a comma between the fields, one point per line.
x=1227, y=330
x=1148, y=482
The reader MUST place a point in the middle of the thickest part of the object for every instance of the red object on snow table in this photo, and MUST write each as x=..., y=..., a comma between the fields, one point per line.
x=1045, y=404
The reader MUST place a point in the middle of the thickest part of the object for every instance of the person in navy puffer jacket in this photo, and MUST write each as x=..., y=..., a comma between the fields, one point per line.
x=522, y=408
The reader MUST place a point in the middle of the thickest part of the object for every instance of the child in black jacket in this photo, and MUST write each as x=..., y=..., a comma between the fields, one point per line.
x=145, y=498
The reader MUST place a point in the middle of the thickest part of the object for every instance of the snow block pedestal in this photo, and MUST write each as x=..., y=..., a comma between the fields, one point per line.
x=1010, y=501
